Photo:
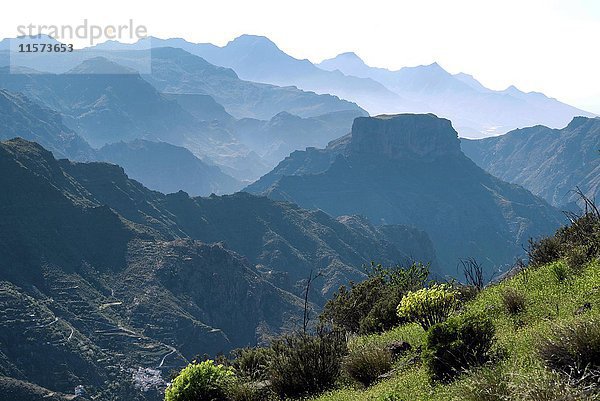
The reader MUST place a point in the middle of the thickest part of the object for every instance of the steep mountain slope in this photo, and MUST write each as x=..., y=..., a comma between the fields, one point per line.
x=90, y=297
x=19, y=116
x=409, y=169
x=168, y=168
x=279, y=239
x=551, y=163
x=202, y=107
x=475, y=110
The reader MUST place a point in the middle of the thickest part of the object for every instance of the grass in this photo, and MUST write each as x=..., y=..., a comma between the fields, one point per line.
x=549, y=299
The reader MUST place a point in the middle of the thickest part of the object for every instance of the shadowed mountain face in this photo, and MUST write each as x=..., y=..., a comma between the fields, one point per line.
x=106, y=284
x=409, y=169
x=551, y=163
x=19, y=116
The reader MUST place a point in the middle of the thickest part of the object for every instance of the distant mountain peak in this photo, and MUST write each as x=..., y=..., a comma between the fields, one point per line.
x=100, y=65
x=435, y=67
x=404, y=135
x=513, y=90
x=350, y=55
x=253, y=40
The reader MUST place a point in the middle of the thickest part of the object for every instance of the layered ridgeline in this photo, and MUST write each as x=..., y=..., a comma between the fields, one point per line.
x=258, y=59
x=409, y=169
x=105, y=103
x=160, y=166
x=187, y=102
x=475, y=110
x=551, y=163
x=19, y=116
x=109, y=285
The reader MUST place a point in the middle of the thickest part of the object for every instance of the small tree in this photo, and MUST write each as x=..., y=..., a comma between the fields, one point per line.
x=428, y=306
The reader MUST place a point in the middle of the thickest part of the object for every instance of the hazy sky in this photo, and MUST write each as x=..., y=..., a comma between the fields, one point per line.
x=552, y=46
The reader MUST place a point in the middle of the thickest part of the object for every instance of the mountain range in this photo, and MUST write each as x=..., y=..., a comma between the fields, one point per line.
x=126, y=250
x=185, y=101
x=409, y=169
x=551, y=163
x=475, y=110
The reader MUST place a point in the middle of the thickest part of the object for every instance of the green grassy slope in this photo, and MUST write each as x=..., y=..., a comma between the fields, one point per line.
x=549, y=302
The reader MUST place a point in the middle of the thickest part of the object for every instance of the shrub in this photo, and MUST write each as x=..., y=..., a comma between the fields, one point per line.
x=577, y=242
x=366, y=363
x=460, y=343
x=370, y=306
x=544, y=251
x=574, y=351
x=513, y=301
x=382, y=315
x=577, y=256
x=348, y=308
x=252, y=364
x=304, y=364
x=202, y=381
x=428, y=306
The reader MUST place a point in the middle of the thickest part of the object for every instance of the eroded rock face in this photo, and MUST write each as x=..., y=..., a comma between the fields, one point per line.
x=422, y=136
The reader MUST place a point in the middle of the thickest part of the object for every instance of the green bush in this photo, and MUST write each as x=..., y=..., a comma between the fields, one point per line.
x=578, y=242
x=349, y=307
x=428, y=306
x=513, y=301
x=460, y=343
x=544, y=251
x=303, y=364
x=577, y=257
x=252, y=364
x=370, y=306
x=574, y=351
x=366, y=363
x=202, y=381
